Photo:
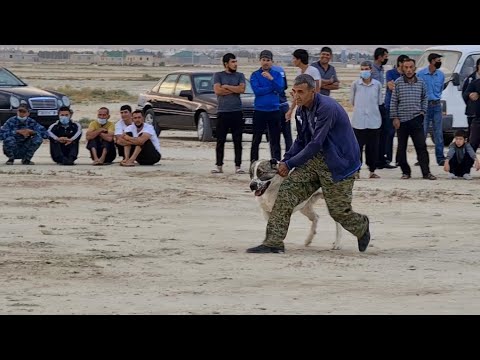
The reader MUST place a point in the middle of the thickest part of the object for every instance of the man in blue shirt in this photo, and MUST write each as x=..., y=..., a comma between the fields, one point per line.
x=267, y=84
x=434, y=79
x=22, y=136
x=325, y=155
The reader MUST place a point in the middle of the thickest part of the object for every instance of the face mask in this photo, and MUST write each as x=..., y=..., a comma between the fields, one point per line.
x=22, y=118
x=438, y=65
x=384, y=62
x=64, y=120
x=102, y=121
x=139, y=125
x=365, y=74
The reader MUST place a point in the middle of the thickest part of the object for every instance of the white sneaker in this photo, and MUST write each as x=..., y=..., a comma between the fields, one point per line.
x=451, y=176
x=467, y=177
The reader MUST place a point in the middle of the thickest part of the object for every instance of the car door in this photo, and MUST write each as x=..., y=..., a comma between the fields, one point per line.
x=163, y=102
x=184, y=106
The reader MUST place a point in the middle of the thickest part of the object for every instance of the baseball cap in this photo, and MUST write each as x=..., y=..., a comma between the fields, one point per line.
x=433, y=56
x=266, y=54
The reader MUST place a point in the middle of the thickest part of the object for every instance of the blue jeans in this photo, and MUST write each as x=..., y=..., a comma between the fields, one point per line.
x=434, y=115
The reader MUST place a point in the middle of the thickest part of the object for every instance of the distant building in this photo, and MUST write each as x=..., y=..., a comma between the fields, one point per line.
x=17, y=56
x=189, y=58
x=83, y=59
x=411, y=53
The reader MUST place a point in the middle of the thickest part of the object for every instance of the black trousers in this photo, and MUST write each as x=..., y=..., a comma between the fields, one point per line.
x=384, y=134
x=62, y=153
x=368, y=138
x=120, y=150
x=99, y=144
x=229, y=121
x=149, y=155
x=286, y=128
x=461, y=168
x=262, y=120
x=414, y=129
x=474, y=136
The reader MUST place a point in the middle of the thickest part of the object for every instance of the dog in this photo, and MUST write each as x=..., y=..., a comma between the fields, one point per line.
x=265, y=184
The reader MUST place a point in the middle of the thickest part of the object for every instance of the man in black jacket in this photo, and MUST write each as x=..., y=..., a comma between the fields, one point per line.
x=64, y=138
x=469, y=102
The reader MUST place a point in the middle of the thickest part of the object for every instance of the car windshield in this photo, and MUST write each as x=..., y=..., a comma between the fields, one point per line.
x=449, y=61
x=204, y=84
x=8, y=79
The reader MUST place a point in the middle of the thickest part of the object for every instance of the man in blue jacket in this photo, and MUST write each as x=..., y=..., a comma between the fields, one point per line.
x=267, y=84
x=325, y=155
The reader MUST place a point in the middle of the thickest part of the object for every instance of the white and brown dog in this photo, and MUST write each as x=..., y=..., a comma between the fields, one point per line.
x=265, y=183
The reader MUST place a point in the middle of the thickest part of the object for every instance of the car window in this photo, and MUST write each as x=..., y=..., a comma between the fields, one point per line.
x=8, y=79
x=184, y=83
x=156, y=87
x=168, y=85
x=203, y=83
x=469, y=66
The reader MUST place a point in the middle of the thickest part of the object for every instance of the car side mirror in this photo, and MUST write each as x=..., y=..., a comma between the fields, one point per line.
x=187, y=93
x=455, y=79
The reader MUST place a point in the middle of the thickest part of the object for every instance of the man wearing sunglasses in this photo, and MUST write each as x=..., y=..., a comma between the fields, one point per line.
x=22, y=136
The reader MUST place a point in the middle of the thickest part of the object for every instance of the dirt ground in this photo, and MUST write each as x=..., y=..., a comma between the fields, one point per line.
x=171, y=239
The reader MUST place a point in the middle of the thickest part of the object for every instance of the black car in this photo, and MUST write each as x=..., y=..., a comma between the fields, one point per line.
x=43, y=105
x=185, y=100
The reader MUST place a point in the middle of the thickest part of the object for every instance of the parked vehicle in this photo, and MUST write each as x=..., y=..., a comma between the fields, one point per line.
x=185, y=100
x=458, y=62
x=43, y=104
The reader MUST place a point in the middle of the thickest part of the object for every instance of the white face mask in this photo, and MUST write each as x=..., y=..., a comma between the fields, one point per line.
x=102, y=121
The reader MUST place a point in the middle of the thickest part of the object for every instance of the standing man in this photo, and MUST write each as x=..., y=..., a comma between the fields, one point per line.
x=324, y=155
x=64, y=138
x=100, y=138
x=267, y=84
x=143, y=145
x=391, y=76
x=434, y=78
x=120, y=126
x=365, y=96
x=228, y=85
x=22, y=136
x=470, y=108
x=286, y=125
x=380, y=56
x=327, y=72
x=407, y=110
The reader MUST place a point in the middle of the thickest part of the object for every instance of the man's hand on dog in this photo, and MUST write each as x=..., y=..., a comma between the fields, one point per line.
x=282, y=169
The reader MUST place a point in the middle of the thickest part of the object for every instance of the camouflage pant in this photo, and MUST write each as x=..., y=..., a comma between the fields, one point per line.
x=299, y=186
x=19, y=147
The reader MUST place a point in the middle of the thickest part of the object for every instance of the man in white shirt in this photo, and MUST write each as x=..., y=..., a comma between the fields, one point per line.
x=300, y=60
x=120, y=126
x=143, y=145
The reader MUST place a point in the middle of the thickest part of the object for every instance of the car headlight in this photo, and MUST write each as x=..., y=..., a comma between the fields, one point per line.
x=66, y=101
x=14, y=101
x=59, y=103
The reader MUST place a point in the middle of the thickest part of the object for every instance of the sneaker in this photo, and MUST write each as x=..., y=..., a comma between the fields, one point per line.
x=451, y=176
x=27, y=162
x=430, y=177
x=10, y=161
x=389, y=166
x=441, y=163
x=365, y=239
x=239, y=170
x=467, y=176
x=417, y=164
x=217, y=170
x=263, y=249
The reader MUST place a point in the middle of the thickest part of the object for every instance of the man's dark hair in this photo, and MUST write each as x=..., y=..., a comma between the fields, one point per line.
x=460, y=133
x=326, y=49
x=138, y=112
x=301, y=54
x=65, y=108
x=410, y=59
x=126, y=107
x=379, y=52
x=401, y=59
x=227, y=57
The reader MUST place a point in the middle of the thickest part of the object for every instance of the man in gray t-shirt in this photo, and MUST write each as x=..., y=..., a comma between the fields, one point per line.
x=228, y=85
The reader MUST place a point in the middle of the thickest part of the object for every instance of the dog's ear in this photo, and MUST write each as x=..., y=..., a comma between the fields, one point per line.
x=274, y=163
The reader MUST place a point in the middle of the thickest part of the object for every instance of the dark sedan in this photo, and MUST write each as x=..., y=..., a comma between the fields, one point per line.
x=43, y=104
x=185, y=100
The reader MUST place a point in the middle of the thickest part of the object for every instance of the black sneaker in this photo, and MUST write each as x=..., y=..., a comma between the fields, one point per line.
x=417, y=164
x=27, y=162
x=10, y=161
x=389, y=166
x=262, y=249
x=365, y=239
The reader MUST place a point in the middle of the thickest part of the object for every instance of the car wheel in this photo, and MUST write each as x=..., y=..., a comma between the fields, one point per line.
x=204, y=127
x=150, y=119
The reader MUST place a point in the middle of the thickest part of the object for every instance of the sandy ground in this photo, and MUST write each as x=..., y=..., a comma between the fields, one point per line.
x=171, y=239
